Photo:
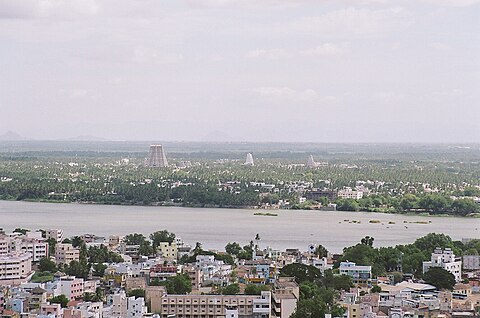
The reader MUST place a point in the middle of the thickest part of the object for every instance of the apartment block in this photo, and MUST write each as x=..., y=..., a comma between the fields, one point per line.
x=24, y=244
x=445, y=259
x=360, y=275
x=285, y=297
x=136, y=307
x=65, y=253
x=15, y=268
x=55, y=234
x=71, y=287
x=216, y=306
x=348, y=193
x=118, y=305
x=168, y=250
x=471, y=262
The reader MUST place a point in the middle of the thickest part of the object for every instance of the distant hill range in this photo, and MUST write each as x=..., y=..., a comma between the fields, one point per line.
x=86, y=138
x=11, y=136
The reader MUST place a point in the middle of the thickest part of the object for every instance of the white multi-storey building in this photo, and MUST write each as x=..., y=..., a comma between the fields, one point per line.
x=136, y=307
x=446, y=260
x=87, y=310
x=37, y=247
x=4, y=245
x=348, y=193
x=359, y=274
x=118, y=305
x=55, y=234
x=213, y=270
x=71, y=287
x=23, y=244
x=15, y=268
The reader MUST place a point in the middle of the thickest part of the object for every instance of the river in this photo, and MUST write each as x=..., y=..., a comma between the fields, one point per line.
x=216, y=227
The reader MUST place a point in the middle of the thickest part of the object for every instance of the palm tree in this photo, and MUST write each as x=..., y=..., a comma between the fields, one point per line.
x=257, y=240
x=198, y=247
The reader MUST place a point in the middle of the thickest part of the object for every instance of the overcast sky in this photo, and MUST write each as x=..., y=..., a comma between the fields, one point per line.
x=242, y=70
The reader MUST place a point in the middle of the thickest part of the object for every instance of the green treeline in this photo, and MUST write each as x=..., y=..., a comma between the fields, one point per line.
x=398, y=186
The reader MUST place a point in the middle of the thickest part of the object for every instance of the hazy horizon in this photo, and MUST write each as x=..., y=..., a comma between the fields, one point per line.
x=365, y=71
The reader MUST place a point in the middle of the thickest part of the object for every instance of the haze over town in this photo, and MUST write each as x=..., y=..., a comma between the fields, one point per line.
x=227, y=70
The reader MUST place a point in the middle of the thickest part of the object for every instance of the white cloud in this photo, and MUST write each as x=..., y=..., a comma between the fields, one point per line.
x=47, y=8
x=440, y=46
x=453, y=3
x=281, y=94
x=322, y=50
x=155, y=56
x=455, y=92
x=352, y=21
x=246, y=3
x=270, y=54
x=387, y=96
x=325, y=49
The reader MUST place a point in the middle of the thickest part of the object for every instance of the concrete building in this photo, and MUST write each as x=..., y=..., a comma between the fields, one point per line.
x=23, y=244
x=360, y=275
x=15, y=268
x=54, y=234
x=348, y=193
x=85, y=310
x=195, y=275
x=136, y=307
x=285, y=297
x=168, y=250
x=162, y=272
x=38, y=248
x=471, y=262
x=316, y=194
x=153, y=296
x=65, y=253
x=445, y=259
x=51, y=310
x=216, y=306
x=71, y=287
x=5, y=247
x=135, y=283
x=214, y=271
x=118, y=304
x=37, y=297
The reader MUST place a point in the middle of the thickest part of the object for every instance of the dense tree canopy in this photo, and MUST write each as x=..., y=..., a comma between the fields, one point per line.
x=439, y=278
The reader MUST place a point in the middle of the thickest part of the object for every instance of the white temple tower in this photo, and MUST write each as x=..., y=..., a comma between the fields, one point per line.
x=311, y=163
x=156, y=157
x=249, y=160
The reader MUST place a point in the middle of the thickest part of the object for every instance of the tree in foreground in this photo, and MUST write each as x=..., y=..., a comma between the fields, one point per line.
x=321, y=251
x=47, y=265
x=439, y=278
x=233, y=248
x=60, y=299
x=231, y=289
x=316, y=301
x=252, y=289
x=376, y=289
x=179, y=285
x=302, y=273
x=161, y=236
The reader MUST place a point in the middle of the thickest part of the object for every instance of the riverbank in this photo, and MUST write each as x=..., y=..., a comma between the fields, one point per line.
x=211, y=206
